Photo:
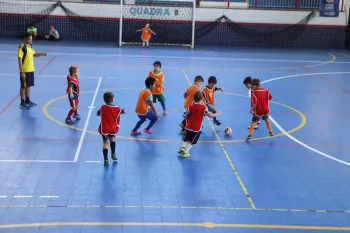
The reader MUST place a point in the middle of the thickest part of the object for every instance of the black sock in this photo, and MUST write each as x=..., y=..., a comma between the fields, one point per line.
x=105, y=154
x=22, y=101
x=112, y=147
x=27, y=99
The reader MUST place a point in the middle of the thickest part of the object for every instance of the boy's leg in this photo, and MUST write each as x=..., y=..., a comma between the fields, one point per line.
x=252, y=127
x=105, y=150
x=71, y=111
x=192, y=139
x=76, y=115
x=30, y=83
x=161, y=99
x=268, y=124
x=112, y=144
x=138, y=124
x=153, y=119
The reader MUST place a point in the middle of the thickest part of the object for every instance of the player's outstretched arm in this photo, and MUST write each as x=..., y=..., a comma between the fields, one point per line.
x=212, y=115
x=123, y=111
x=40, y=55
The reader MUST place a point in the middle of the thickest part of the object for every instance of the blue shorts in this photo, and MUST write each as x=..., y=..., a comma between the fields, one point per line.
x=28, y=81
x=150, y=115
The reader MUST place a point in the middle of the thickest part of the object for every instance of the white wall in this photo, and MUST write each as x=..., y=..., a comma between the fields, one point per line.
x=202, y=14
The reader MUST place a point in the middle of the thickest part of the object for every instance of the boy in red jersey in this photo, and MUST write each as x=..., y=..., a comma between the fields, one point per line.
x=194, y=119
x=248, y=84
x=189, y=96
x=259, y=107
x=109, y=126
x=142, y=108
x=73, y=91
x=208, y=94
x=157, y=92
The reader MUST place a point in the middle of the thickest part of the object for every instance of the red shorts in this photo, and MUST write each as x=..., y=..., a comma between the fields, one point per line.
x=74, y=103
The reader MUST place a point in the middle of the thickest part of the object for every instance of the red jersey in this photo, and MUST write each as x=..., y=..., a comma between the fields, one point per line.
x=110, y=119
x=194, y=116
x=73, y=82
x=260, y=98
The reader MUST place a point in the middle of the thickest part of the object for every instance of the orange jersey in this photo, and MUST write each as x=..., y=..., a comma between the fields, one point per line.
x=142, y=103
x=189, y=95
x=146, y=34
x=158, y=89
x=208, y=94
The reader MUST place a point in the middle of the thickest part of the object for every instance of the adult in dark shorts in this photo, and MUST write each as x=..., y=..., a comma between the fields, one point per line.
x=26, y=56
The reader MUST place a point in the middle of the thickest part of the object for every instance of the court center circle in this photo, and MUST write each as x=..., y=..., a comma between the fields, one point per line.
x=46, y=113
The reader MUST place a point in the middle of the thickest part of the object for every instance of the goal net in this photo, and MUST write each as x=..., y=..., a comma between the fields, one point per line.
x=172, y=21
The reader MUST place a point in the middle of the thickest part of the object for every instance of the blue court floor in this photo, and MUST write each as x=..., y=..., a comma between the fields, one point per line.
x=53, y=180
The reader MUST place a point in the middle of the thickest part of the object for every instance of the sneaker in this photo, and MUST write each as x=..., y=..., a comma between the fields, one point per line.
x=272, y=134
x=135, y=133
x=23, y=106
x=164, y=112
x=147, y=131
x=181, y=151
x=77, y=117
x=31, y=104
x=114, y=158
x=217, y=122
x=249, y=138
x=185, y=155
x=258, y=122
x=69, y=121
x=106, y=163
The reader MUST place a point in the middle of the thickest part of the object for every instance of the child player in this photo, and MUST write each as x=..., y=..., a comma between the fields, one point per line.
x=194, y=119
x=248, y=84
x=109, y=126
x=189, y=95
x=142, y=108
x=259, y=107
x=146, y=35
x=73, y=91
x=159, y=88
x=208, y=94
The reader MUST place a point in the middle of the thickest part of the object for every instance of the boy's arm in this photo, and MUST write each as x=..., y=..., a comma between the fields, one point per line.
x=212, y=115
x=270, y=96
x=123, y=111
x=150, y=103
x=219, y=89
x=186, y=113
x=98, y=112
x=253, y=101
x=40, y=54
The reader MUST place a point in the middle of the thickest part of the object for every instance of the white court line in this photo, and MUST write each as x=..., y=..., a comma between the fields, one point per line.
x=87, y=121
x=54, y=76
x=293, y=138
x=92, y=161
x=22, y=196
x=36, y=161
x=48, y=196
x=179, y=57
x=3, y=196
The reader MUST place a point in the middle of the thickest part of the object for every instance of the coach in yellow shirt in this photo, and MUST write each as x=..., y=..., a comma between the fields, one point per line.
x=26, y=56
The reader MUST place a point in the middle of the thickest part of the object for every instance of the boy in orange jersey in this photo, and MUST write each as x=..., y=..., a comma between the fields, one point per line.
x=142, y=108
x=248, y=84
x=159, y=88
x=208, y=94
x=146, y=35
x=73, y=91
x=109, y=126
x=189, y=95
x=259, y=107
x=194, y=119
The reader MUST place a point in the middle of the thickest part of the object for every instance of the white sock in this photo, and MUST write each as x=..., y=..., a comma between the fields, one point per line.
x=147, y=43
x=184, y=144
x=188, y=147
x=143, y=44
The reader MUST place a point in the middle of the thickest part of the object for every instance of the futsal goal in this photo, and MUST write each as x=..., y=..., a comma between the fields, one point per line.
x=172, y=21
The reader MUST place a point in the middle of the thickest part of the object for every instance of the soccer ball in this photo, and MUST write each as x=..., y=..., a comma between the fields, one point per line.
x=228, y=130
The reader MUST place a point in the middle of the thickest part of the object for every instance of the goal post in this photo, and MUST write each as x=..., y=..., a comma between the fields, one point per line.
x=172, y=21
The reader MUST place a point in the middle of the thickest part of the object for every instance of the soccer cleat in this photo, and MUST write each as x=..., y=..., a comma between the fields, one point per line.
x=77, y=117
x=135, y=133
x=31, y=104
x=106, y=163
x=272, y=134
x=114, y=158
x=181, y=151
x=69, y=121
x=217, y=122
x=164, y=112
x=185, y=155
x=147, y=131
x=258, y=122
x=23, y=106
x=249, y=138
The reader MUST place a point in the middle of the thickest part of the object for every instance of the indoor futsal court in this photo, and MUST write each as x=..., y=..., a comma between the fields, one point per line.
x=52, y=175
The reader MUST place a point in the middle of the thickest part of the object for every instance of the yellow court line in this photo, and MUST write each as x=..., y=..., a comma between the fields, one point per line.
x=46, y=113
x=245, y=190
x=175, y=224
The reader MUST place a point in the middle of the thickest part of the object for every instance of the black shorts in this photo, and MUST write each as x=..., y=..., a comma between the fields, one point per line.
x=191, y=136
x=107, y=137
x=256, y=119
x=28, y=81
